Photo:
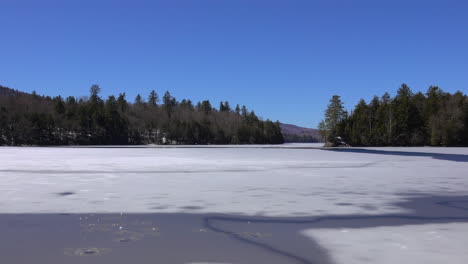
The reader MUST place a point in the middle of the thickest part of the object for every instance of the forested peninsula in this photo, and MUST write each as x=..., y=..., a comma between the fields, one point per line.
x=32, y=119
x=434, y=118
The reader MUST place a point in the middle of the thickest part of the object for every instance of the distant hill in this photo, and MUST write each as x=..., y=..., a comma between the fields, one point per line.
x=293, y=133
x=8, y=91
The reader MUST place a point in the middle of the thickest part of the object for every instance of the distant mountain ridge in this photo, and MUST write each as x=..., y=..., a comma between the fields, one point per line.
x=293, y=133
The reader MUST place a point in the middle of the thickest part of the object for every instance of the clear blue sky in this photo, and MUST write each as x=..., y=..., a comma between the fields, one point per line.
x=284, y=59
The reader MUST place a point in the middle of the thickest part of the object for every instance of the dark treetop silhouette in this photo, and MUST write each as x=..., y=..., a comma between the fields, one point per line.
x=30, y=119
x=436, y=118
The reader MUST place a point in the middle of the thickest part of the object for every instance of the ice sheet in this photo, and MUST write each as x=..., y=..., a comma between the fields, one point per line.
x=281, y=181
x=429, y=244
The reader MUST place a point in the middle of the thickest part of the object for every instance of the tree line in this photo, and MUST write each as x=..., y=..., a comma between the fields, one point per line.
x=300, y=138
x=31, y=119
x=436, y=118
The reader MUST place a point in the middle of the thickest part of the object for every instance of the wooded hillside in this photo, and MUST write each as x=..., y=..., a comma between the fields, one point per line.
x=435, y=118
x=293, y=133
x=31, y=119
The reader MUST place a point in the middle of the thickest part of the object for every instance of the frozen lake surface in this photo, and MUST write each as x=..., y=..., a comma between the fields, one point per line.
x=296, y=180
x=252, y=181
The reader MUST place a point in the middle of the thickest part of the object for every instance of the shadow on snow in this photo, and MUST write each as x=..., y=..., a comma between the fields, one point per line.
x=439, y=156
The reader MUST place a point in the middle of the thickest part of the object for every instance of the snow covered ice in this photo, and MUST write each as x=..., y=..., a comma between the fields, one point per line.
x=428, y=244
x=286, y=181
x=252, y=181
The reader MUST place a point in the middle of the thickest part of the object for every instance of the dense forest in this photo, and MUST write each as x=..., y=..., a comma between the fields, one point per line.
x=436, y=118
x=31, y=119
x=295, y=138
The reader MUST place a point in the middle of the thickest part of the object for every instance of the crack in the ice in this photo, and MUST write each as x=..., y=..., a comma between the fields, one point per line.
x=347, y=166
